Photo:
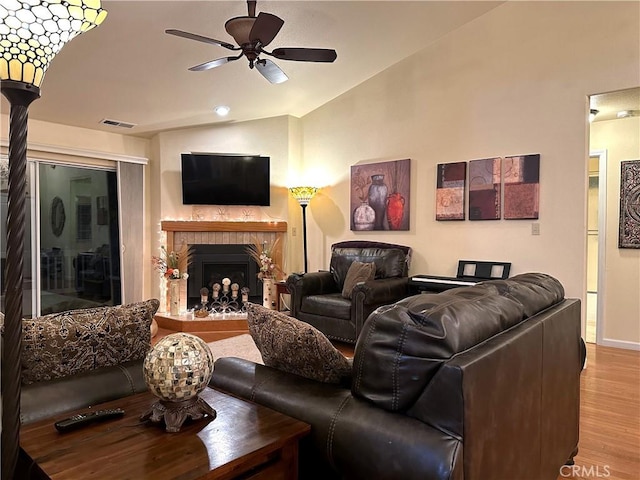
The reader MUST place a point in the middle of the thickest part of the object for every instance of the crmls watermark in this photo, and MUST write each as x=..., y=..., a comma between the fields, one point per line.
x=585, y=471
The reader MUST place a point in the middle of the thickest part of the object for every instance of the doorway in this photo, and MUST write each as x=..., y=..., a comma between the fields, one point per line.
x=596, y=224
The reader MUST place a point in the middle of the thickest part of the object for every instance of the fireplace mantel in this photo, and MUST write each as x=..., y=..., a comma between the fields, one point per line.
x=205, y=226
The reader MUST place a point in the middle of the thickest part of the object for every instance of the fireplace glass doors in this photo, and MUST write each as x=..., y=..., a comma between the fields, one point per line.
x=210, y=264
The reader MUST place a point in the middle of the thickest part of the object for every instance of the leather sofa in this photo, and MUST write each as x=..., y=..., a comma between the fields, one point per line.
x=316, y=297
x=475, y=383
x=41, y=400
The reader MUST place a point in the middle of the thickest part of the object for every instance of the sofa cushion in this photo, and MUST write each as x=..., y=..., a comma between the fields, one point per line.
x=358, y=272
x=290, y=345
x=403, y=345
x=75, y=341
x=535, y=291
x=332, y=305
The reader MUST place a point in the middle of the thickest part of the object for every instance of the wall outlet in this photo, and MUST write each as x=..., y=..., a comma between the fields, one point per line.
x=535, y=228
x=294, y=231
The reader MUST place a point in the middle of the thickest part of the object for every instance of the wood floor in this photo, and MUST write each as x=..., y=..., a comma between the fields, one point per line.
x=609, y=416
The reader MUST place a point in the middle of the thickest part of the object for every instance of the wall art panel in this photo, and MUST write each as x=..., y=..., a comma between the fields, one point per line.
x=450, y=190
x=484, y=189
x=521, y=187
x=629, y=236
x=380, y=195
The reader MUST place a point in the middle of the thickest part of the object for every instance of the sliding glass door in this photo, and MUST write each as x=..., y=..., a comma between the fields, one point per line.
x=27, y=276
x=78, y=238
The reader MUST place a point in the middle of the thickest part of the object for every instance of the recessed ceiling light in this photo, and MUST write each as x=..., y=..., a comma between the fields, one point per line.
x=222, y=110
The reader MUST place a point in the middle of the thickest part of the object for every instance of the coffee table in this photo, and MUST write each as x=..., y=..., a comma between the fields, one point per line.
x=245, y=439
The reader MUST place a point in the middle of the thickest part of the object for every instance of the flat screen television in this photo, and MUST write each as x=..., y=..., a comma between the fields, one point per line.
x=225, y=179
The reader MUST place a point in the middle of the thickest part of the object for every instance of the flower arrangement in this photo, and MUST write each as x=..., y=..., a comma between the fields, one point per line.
x=264, y=255
x=173, y=265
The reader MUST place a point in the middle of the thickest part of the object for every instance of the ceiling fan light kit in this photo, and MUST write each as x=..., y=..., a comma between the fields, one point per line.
x=252, y=34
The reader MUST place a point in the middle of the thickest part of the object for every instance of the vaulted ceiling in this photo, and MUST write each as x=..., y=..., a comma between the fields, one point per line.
x=129, y=70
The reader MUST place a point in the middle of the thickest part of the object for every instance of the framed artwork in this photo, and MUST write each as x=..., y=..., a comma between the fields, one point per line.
x=484, y=189
x=521, y=187
x=450, y=189
x=380, y=195
x=629, y=236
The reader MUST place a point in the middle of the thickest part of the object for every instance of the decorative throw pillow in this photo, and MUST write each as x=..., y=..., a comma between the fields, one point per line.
x=296, y=347
x=66, y=343
x=358, y=272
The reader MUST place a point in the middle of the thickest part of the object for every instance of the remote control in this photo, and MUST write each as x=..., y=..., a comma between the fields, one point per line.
x=82, y=419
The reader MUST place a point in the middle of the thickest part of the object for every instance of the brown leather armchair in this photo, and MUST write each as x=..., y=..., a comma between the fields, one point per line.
x=316, y=297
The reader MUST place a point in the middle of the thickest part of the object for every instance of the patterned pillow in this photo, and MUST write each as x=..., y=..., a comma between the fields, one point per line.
x=358, y=272
x=296, y=347
x=66, y=343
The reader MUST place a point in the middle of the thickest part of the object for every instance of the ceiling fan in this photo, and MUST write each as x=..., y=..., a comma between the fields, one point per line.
x=252, y=34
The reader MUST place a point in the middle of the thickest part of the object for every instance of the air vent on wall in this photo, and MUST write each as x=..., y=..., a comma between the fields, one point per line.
x=116, y=123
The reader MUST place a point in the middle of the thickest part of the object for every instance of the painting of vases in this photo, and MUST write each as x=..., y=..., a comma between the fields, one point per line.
x=380, y=195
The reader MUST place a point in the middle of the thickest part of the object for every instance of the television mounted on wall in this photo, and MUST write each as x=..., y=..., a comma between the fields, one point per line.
x=225, y=179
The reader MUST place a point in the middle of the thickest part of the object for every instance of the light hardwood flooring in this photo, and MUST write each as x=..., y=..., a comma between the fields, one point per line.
x=609, y=415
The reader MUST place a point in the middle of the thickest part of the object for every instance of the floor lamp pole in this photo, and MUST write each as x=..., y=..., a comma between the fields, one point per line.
x=20, y=96
x=304, y=234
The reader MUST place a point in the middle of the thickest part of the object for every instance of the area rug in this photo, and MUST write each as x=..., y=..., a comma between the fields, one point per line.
x=241, y=346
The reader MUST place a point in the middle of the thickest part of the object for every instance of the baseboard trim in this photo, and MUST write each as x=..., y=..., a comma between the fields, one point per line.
x=608, y=342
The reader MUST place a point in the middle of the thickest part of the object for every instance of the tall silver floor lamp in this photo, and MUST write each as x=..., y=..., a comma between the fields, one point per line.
x=31, y=34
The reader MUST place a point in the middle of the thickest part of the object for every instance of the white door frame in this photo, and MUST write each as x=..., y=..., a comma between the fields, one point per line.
x=602, y=231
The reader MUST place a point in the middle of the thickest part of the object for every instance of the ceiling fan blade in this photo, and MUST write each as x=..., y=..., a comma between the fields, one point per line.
x=200, y=38
x=271, y=71
x=305, y=54
x=213, y=64
x=265, y=28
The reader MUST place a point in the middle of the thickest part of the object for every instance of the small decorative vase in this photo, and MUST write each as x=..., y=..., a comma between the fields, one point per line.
x=364, y=217
x=378, y=199
x=268, y=293
x=395, y=211
x=174, y=297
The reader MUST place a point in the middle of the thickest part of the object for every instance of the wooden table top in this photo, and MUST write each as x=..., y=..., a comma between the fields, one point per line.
x=126, y=448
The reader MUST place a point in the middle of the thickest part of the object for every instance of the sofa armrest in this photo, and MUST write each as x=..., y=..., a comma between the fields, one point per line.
x=382, y=291
x=314, y=283
x=48, y=398
x=369, y=295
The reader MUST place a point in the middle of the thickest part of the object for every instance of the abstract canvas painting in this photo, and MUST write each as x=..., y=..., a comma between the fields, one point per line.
x=380, y=195
x=521, y=187
x=484, y=189
x=450, y=189
x=629, y=236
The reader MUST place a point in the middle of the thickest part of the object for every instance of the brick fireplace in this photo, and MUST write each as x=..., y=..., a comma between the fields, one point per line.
x=202, y=233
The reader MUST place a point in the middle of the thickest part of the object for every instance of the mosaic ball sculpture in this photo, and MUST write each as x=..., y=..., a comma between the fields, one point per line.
x=178, y=367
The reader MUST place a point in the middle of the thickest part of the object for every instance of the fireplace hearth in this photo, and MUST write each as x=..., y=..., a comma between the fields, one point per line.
x=206, y=232
x=211, y=263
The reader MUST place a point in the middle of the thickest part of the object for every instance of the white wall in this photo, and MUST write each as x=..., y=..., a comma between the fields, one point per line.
x=621, y=314
x=515, y=81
